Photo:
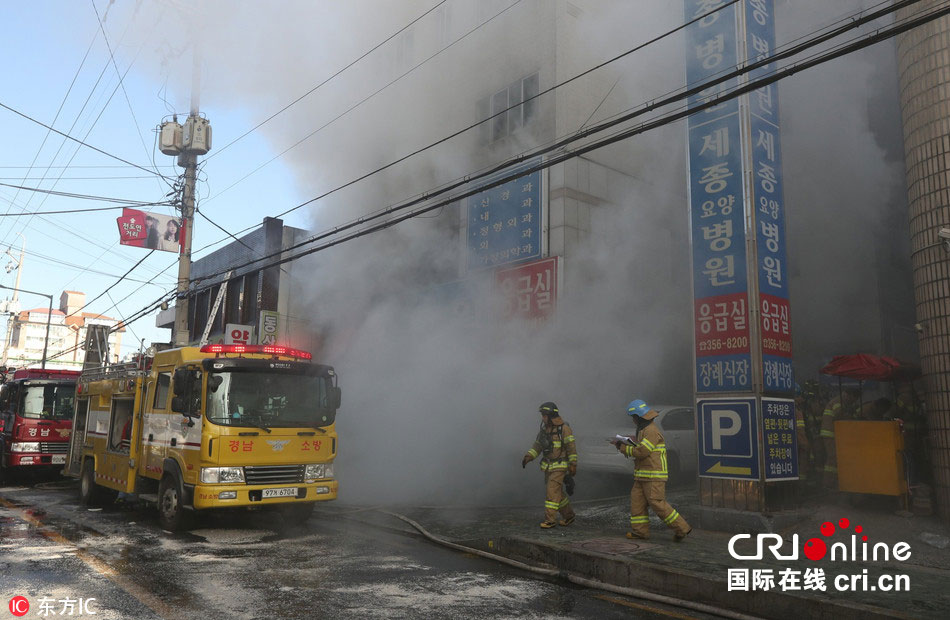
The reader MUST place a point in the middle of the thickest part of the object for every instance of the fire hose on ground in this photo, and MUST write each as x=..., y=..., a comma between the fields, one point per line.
x=581, y=581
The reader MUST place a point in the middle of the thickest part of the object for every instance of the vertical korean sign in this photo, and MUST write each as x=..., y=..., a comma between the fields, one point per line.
x=720, y=273
x=504, y=222
x=768, y=205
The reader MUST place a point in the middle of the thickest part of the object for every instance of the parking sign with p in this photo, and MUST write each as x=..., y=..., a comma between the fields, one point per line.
x=728, y=438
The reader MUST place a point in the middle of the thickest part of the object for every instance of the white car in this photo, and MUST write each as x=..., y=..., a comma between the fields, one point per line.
x=678, y=425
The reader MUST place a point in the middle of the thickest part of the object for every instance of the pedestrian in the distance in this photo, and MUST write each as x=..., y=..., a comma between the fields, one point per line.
x=555, y=444
x=649, y=485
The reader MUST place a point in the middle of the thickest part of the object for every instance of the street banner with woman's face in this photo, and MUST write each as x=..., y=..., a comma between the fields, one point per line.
x=152, y=231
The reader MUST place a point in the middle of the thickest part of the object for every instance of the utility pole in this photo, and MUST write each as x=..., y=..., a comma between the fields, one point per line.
x=13, y=303
x=189, y=161
x=187, y=142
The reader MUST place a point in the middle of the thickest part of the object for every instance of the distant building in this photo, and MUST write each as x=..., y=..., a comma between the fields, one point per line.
x=67, y=332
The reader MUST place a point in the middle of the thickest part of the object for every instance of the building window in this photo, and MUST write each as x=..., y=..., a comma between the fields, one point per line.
x=233, y=300
x=252, y=282
x=518, y=97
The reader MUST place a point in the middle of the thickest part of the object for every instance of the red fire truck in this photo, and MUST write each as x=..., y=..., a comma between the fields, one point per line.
x=36, y=419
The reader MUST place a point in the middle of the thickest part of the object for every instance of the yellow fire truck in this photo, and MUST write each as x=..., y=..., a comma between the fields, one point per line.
x=218, y=426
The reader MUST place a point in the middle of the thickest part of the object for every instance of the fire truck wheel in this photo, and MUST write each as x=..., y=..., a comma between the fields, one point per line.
x=90, y=493
x=171, y=510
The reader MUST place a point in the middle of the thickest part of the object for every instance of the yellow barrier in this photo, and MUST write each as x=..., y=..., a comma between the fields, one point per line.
x=870, y=457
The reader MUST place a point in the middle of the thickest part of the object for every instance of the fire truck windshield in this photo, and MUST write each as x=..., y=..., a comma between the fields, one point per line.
x=268, y=399
x=49, y=401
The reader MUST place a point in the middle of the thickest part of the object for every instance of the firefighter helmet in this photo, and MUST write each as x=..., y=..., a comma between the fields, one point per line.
x=638, y=408
x=548, y=408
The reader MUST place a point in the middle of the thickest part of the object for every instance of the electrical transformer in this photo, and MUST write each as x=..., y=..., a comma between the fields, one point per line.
x=196, y=137
x=170, y=138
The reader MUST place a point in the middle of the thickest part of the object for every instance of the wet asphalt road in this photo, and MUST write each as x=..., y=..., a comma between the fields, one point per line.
x=254, y=565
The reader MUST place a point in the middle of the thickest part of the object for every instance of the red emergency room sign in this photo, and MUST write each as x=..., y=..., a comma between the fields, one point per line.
x=527, y=291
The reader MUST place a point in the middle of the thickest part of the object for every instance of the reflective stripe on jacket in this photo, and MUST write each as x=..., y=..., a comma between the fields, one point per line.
x=563, y=448
x=649, y=454
x=831, y=413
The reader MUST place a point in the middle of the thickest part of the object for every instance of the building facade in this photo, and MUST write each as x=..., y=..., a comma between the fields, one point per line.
x=67, y=333
x=253, y=301
x=617, y=215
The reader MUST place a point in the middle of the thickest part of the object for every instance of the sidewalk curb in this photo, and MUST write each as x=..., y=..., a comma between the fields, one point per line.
x=742, y=522
x=631, y=573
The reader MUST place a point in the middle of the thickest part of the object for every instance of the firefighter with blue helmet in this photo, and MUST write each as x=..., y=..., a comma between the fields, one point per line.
x=555, y=444
x=648, y=451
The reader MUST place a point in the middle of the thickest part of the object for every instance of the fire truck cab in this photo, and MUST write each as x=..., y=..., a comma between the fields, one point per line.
x=36, y=412
x=220, y=426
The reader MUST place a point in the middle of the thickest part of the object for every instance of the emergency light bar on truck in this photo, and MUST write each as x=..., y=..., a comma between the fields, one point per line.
x=256, y=348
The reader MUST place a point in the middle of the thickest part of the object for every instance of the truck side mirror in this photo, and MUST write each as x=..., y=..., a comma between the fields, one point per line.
x=180, y=405
x=334, y=397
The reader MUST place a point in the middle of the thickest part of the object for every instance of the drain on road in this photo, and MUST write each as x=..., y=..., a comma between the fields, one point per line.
x=612, y=546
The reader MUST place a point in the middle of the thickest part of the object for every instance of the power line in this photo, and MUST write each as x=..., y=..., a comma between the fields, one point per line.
x=111, y=286
x=55, y=117
x=480, y=122
x=118, y=178
x=315, y=88
x=106, y=249
x=88, y=132
x=121, y=318
x=367, y=98
x=66, y=264
x=70, y=166
x=90, y=210
x=765, y=80
x=78, y=141
x=598, y=128
x=124, y=201
x=138, y=130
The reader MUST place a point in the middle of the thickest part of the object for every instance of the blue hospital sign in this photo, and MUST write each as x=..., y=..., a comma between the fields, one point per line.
x=717, y=219
x=769, y=207
x=728, y=438
x=504, y=222
x=737, y=214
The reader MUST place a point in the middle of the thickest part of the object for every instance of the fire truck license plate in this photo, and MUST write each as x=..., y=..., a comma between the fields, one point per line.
x=59, y=459
x=289, y=492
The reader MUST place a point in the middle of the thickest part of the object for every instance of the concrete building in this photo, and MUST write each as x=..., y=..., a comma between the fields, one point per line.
x=924, y=61
x=67, y=333
x=620, y=208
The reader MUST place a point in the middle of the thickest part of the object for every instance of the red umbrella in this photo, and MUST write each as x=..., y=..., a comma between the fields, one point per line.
x=866, y=367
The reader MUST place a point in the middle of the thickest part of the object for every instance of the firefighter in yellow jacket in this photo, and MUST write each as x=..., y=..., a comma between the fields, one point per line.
x=555, y=444
x=649, y=485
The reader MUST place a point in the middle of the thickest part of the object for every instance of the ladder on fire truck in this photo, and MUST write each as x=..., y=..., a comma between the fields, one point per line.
x=96, y=364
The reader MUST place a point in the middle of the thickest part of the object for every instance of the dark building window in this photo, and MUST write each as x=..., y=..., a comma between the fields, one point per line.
x=252, y=283
x=201, y=302
x=233, y=301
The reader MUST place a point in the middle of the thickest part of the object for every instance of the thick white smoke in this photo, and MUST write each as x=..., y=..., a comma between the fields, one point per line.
x=440, y=400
